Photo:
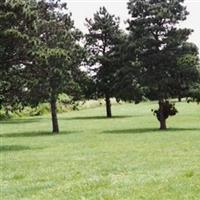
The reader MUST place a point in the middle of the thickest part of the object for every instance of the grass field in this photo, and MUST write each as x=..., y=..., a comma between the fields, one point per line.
x=102, y=159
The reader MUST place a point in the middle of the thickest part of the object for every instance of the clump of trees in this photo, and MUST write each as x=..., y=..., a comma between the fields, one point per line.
x=41, y=54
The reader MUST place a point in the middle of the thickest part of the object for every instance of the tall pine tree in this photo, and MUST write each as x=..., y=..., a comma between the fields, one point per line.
x=103, y=35
x=157, y=38
x=58, y=57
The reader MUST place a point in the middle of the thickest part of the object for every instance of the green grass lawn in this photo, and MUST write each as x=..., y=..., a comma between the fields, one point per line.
x=123, y=158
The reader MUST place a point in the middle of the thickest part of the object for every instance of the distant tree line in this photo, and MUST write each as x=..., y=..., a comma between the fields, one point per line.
x=42, y=53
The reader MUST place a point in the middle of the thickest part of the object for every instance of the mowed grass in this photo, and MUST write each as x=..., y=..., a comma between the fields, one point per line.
x=123, y=158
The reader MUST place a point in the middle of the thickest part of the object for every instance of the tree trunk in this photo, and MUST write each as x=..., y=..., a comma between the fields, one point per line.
x=108, y=106
x=162, y=119
x=179, y=99
x=163, y=125
x=54, y=115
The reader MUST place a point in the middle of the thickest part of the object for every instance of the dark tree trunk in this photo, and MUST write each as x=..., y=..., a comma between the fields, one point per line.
x=7, y=114
x=54, y=115
x=163, y=125
x=179, y=99
x=108, y=106
x=162, y=118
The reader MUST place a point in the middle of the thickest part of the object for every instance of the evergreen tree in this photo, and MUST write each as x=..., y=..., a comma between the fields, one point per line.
x=16, y=46
x=58, y=57
x=103, y=35
x=153, y=27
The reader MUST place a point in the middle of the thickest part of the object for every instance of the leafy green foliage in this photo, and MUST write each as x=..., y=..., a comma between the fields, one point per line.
x=187, y=72
x=168, y=110
x=16, y=43
x=127, y=86
x=195, y=93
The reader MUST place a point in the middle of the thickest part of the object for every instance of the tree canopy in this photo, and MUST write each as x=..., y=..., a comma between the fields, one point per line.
x=16, y=43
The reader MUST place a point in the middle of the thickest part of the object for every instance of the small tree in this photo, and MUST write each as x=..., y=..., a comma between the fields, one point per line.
x=158, y=40
x=103, y=34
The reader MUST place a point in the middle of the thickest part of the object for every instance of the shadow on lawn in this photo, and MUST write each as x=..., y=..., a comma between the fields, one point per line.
x=13, y=148
x=34, y=134
x=97, y=117
x=20, y=121
x=148, y=130
x=4, y=148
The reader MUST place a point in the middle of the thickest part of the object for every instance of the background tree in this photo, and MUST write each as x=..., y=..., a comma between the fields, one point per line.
x=127, y=86
x=103, y=34
x=187, y=72
x=153, y=26
x=195, y=93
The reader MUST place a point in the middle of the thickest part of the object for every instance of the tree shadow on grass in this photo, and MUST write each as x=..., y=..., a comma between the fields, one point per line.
x=34, y=134
x=96, y=117
x=4, y=148
x=13, y=148
x=148, y=130
x=20, y=121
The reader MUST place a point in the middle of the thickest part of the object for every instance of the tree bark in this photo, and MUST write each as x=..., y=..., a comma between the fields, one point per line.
x=54, y=115
x=162, y=118
x=163, y=125
x=108, y=106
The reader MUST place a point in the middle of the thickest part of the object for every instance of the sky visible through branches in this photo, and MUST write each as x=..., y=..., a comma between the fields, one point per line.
x=82, y=9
